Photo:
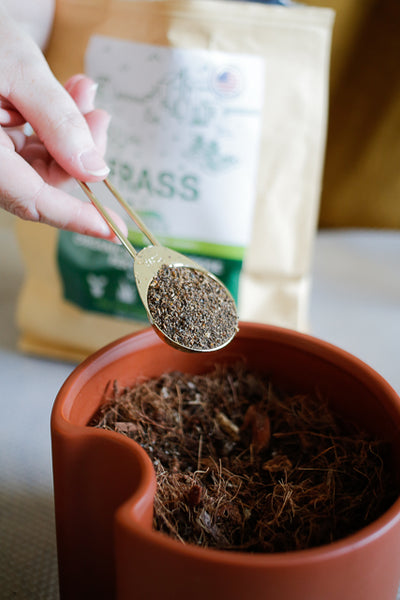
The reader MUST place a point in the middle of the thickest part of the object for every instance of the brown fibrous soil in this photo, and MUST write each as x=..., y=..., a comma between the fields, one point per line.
x=242, y=465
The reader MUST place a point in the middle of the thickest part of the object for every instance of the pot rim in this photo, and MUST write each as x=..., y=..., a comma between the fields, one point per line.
x=125, y=514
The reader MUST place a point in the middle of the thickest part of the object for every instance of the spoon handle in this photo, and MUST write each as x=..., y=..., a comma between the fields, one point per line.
x=133, y=215
x=122, y=238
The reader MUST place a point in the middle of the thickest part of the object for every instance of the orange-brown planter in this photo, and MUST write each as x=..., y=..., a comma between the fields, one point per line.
x=104, y=484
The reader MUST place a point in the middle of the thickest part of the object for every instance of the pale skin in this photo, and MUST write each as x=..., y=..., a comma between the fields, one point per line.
x=70, y=133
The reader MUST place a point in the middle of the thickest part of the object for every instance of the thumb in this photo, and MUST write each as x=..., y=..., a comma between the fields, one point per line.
x=28, y=83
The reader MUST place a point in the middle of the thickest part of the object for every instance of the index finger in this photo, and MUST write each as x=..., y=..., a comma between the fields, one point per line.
x=30, y=198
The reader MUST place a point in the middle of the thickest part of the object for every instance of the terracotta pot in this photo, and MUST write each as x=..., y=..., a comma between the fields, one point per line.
x=104, y=485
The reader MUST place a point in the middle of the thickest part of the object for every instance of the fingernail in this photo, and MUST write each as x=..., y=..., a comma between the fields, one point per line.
x=93, y=163
x=93, y=89
x=88, y=104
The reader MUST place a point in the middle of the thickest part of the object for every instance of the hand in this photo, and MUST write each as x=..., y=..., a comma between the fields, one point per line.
x=69, y=140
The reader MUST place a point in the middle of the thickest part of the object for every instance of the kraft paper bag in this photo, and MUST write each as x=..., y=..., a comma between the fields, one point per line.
x=219, y=116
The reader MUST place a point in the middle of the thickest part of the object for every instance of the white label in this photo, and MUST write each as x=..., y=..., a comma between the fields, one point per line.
x=184, y=136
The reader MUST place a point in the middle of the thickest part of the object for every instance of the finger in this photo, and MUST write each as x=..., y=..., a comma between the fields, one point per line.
x=30, y=198
x=98, y=121
x=6, y=141
x=46, y=105
x=82, y=90
x=65, y=133
x=34, y=150
x=35, y=153
x=10, y=118
x=17, y=137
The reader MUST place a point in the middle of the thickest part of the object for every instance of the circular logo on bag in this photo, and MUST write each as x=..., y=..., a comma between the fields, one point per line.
x=227, y=82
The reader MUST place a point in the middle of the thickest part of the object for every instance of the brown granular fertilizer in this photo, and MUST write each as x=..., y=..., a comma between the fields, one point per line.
x=241, y=465
x=192, y=308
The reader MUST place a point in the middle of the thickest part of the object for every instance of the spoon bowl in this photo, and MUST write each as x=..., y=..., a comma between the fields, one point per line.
x=187, y=305
x=219, y=324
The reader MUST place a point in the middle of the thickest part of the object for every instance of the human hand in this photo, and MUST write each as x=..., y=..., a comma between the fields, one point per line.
x=69, y=140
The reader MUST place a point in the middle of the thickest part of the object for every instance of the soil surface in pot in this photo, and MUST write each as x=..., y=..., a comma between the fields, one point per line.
x=242, y=465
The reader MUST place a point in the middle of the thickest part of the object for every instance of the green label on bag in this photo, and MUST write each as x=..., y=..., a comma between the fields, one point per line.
x=98, y=276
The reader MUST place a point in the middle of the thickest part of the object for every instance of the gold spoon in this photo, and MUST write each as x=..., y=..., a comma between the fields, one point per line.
x=188, y=306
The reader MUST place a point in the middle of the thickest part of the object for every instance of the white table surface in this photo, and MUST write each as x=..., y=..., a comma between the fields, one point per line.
x=355, y=304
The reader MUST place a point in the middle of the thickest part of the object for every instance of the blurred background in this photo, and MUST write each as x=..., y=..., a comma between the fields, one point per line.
x=362, y=167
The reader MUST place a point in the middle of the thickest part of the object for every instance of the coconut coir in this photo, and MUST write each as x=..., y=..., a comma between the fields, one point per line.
x=242, y=465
